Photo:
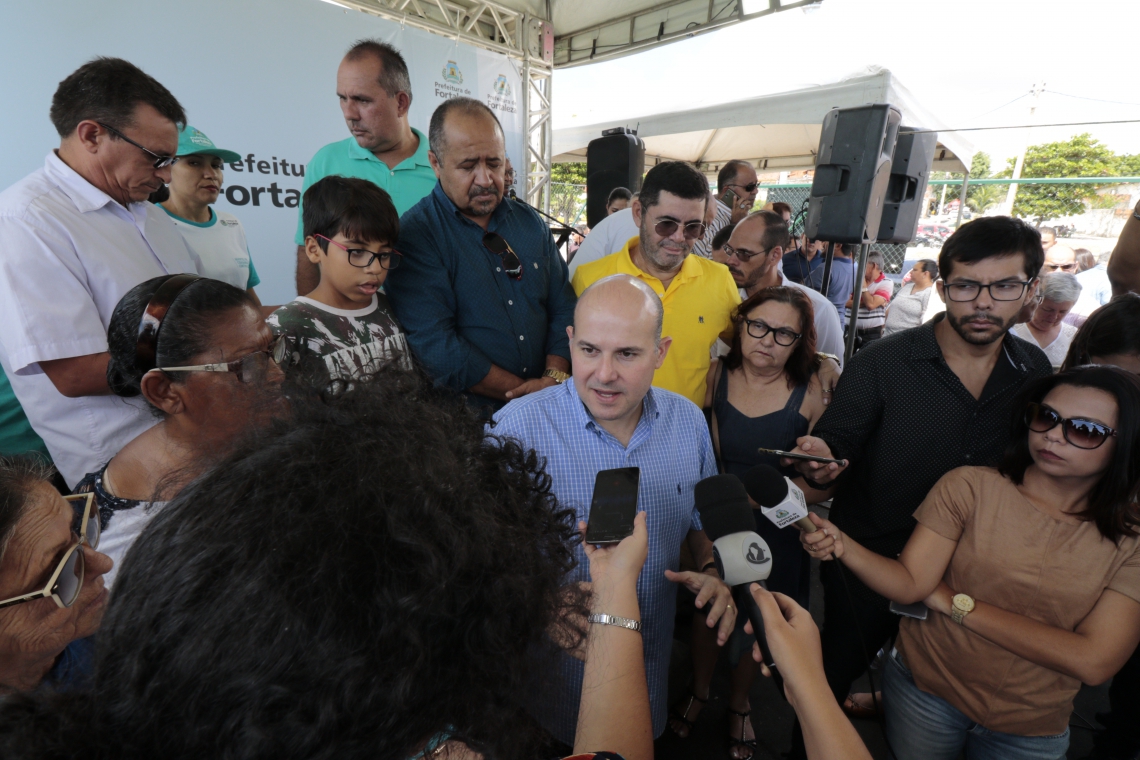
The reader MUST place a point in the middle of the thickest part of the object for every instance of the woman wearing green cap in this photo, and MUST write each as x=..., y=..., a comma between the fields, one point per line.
x=216, y=238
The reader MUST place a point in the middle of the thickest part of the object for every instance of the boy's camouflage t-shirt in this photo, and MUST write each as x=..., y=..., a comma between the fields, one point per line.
x=350, y=343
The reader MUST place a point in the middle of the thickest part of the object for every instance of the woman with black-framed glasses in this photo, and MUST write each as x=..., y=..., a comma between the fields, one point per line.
x=763, y=395
x=51, y=579
x=199, y=355
x=1031, y=573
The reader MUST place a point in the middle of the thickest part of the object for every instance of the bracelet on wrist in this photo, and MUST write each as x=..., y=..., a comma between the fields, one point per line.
x=620, y=622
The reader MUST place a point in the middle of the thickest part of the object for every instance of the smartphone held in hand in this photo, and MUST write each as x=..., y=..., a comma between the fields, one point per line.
x=614, y=505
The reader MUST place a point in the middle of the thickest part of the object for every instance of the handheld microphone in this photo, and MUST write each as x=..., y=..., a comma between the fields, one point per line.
x=741, y=556
x=780, y=499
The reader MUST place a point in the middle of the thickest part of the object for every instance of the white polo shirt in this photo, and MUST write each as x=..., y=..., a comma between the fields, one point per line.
x=220, y=247
x=609, y=236
x=68, y=253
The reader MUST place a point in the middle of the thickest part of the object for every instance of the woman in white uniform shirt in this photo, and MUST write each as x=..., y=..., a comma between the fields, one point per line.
x=216, y=238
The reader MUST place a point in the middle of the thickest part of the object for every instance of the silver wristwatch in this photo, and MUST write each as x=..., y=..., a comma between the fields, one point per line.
x=621, y=622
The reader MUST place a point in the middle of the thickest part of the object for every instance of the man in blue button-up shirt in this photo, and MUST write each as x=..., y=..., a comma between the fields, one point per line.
x=478, y=321
x=610, y=417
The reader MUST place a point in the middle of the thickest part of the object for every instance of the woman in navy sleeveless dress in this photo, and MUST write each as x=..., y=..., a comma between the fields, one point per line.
x=764, y=394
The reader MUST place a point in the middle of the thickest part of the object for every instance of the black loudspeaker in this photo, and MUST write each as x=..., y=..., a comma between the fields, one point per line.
x=852, y=173
x=910, y=170
x=611, y=161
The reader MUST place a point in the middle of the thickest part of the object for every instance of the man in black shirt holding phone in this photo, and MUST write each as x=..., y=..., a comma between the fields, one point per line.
x=913, y=406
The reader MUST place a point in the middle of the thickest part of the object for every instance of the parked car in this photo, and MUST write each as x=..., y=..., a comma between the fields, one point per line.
x=941, y=231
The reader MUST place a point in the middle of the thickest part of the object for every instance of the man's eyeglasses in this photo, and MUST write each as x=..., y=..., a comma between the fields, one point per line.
x=1006, y=290
x=1084, y=434
x=743, y=255
x=746, y=188
x=160, y=162
x=65, y=582
x=497, y=244
x=362, y=258
x=668, y=227
x=251, y=368
x=782, y=335
x=1070, y=267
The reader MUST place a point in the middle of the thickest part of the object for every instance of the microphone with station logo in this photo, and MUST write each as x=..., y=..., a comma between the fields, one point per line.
x=780, y=499
x=742, y=557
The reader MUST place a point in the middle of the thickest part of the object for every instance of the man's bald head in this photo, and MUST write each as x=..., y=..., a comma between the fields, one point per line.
x=1060, y=258
x=626, y=295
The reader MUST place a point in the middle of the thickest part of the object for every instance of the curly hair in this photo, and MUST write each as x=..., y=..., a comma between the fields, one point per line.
x=369, y=572
x=802, y=362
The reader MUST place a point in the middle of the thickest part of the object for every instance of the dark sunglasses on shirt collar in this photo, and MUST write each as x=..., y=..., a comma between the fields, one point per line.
x=496, y=244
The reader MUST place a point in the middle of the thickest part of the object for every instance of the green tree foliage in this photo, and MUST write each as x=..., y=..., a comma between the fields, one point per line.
x=978, y=197
x=1080, y=156
x=573, y=174
x=568, y=191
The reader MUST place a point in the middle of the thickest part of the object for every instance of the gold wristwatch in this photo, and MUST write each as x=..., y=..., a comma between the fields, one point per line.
x=556, y=376
x=963, y=606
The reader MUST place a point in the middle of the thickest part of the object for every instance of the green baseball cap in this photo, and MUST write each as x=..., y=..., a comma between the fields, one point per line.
x=193, y=142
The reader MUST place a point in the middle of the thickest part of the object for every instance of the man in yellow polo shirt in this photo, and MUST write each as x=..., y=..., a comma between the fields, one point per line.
x=698, y=294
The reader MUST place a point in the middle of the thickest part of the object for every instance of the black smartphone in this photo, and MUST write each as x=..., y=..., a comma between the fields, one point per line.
x=730, y=199
x=804, y=457
x=613, y=506
x=918, y=610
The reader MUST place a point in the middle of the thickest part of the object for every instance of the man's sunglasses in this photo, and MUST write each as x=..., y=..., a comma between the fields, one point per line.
x=362, y=258
x=1071, y=267
x=497, y=244
x=744, y=256
x=65, y=582
x=668, y=227
x=251, y=368
x=746, y=188
x=1084, y=434
x=160, y=162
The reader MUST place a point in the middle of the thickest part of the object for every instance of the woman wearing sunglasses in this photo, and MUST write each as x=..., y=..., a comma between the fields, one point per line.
x=51, y=585
x=1031, y=573
x=198, y=353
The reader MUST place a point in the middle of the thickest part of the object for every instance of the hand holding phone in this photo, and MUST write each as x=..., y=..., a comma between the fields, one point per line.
x=812, y=459
x=613, y=506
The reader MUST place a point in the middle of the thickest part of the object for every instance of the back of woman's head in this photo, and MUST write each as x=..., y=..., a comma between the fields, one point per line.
x=1113, y=501
x=186, y=329
x=1111, y=330
x=367, y=573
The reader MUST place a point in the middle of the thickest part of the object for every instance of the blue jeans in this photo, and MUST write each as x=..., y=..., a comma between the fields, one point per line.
x=921, y=726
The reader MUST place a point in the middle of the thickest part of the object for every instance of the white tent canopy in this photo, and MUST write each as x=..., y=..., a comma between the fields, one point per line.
x=777, y=132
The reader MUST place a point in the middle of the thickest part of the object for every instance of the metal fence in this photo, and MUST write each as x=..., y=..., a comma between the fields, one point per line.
x=568, y=203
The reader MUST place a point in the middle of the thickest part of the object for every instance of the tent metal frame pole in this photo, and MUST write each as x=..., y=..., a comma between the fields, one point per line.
x=962, y=197
x=856, y=289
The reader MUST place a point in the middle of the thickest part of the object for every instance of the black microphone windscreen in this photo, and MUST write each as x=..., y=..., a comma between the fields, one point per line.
x=723, y=505
x=765, y=485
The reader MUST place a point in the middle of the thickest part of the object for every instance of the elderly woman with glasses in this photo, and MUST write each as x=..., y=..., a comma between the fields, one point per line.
x=1058, y=292
x=199, y=355
x=51, y=579
x=1030, y=573
x=764, y=395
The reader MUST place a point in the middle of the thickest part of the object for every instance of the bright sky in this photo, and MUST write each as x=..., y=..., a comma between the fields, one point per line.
x=965, y=60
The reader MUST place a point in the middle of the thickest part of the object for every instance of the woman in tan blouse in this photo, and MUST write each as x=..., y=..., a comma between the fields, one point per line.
x=1031, y=573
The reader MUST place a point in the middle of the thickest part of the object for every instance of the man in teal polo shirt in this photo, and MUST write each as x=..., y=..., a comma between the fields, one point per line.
x=375, y=93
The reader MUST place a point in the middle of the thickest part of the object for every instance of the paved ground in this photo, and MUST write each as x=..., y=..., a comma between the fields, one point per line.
x=772, y=716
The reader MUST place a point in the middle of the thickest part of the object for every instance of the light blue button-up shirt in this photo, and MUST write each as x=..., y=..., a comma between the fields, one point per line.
x=671, y=445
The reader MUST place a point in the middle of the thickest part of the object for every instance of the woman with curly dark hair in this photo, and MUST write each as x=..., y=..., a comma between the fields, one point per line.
x=369, y=578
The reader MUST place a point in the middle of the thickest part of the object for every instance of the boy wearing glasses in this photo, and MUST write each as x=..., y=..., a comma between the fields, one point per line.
x=350, y=226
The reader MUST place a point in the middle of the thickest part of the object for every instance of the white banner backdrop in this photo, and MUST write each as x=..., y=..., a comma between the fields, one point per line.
x=257, y=76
